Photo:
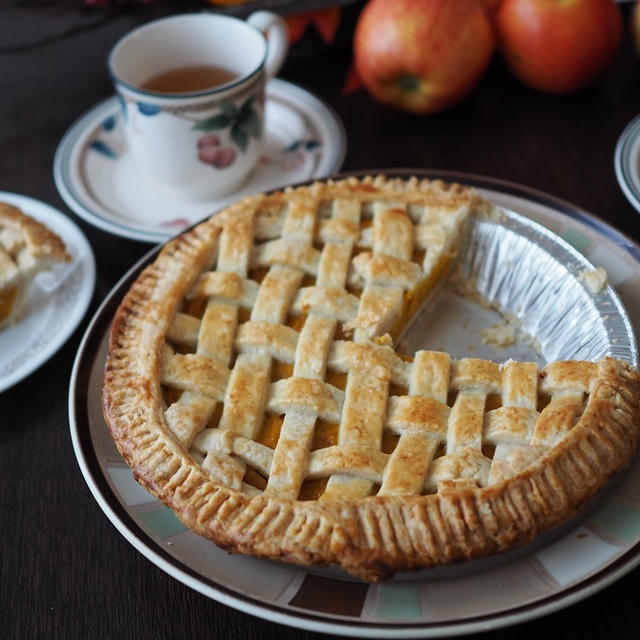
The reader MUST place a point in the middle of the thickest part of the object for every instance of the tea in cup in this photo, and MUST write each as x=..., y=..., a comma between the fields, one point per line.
x=191, y=88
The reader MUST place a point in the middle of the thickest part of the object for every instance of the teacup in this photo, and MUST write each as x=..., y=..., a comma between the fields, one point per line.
x=191, y=88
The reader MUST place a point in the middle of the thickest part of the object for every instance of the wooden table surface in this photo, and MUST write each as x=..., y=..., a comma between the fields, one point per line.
x=65, y=571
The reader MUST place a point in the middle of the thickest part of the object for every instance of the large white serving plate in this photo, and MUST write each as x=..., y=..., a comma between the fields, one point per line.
x=562, y=567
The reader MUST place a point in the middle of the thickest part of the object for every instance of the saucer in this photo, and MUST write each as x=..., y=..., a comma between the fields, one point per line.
x=56, y=301
x=97, y=178
x=627, y=162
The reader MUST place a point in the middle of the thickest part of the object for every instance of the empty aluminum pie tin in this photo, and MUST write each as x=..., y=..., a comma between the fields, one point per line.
x=529, y=295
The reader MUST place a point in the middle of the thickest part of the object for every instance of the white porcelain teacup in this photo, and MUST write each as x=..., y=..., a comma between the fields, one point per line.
x=191, y=88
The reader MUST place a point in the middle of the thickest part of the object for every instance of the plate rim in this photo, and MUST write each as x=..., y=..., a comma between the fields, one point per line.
x=83, y=300
x=303, y=619
x=78, y=128
x=622, y=160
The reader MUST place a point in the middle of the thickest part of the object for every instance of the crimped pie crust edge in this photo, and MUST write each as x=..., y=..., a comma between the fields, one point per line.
x=371, y=537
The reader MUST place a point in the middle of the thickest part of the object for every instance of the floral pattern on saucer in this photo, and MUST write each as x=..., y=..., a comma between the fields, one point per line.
x=100, y=145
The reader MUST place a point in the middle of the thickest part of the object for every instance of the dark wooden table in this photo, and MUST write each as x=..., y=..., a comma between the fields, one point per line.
x=65, y=572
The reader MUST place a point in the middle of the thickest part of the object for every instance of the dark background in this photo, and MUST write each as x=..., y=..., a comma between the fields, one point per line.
x=64, y=570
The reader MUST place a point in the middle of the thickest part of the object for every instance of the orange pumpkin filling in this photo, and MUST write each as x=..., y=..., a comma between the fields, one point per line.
x=413, y=299
x=7, y=299
x=270, y=431
x=494, y=401
x=195, y=306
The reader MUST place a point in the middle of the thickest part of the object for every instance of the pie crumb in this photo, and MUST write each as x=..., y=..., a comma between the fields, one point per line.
x=501, y=334
x=384, y=340
x=594, y=280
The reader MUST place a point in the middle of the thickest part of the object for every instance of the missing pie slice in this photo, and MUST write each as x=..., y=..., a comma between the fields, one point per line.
x=252, y=385
x=26, y=248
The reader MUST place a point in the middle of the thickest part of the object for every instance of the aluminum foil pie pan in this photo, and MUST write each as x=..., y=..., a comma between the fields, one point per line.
x=527, y=295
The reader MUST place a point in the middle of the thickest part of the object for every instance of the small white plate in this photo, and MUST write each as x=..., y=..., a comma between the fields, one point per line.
x=627, y=162
x=97, y=178
x=50, y=314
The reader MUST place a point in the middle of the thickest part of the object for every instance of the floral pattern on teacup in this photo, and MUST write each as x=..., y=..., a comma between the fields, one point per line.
x=147, y=109
x=107, y=140
x=243, y=123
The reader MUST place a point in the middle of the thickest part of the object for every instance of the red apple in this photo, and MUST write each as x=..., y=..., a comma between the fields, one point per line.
x=490, y=6
x=560, y=46
x=422, y=55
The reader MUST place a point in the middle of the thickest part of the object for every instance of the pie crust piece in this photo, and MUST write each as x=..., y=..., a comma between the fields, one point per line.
x=251, y=386
x=26, y=248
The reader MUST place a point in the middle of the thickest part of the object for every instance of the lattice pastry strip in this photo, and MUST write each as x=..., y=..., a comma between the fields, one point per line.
x=557, y=418
x=291, y=454
x=334, y=265
x=236, y=242
x=343, y=225
x=474, y=380
x=392, y=231
x=303, y=257
x=463, y=461
x=276, y=294
x=509, y=428
x=300, y=222
x=421, y=420
x=225, y=456
x=210, y=337
x=189, y=415
x=382, y=300
x=194, y=372
x=217, y=329
x=330, y=302
x=242, y=414
x=361, y=426
x=202, y=380
x=278, y=340
x=246, y=395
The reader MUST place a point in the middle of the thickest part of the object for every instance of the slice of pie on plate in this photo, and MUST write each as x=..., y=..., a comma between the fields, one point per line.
x=26, y=248
x=252, y=385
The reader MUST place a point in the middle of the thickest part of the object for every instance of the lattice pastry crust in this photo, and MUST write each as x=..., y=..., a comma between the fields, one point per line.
x=26, y=248
x=251, y=385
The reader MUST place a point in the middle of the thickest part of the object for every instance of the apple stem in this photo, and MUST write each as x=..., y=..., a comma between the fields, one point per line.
x=409, y=82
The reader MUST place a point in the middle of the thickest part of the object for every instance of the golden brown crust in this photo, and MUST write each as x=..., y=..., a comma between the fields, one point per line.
x=372, y=536
x=40, y=240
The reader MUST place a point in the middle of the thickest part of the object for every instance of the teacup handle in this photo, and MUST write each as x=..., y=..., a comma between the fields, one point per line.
x=277, y=33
